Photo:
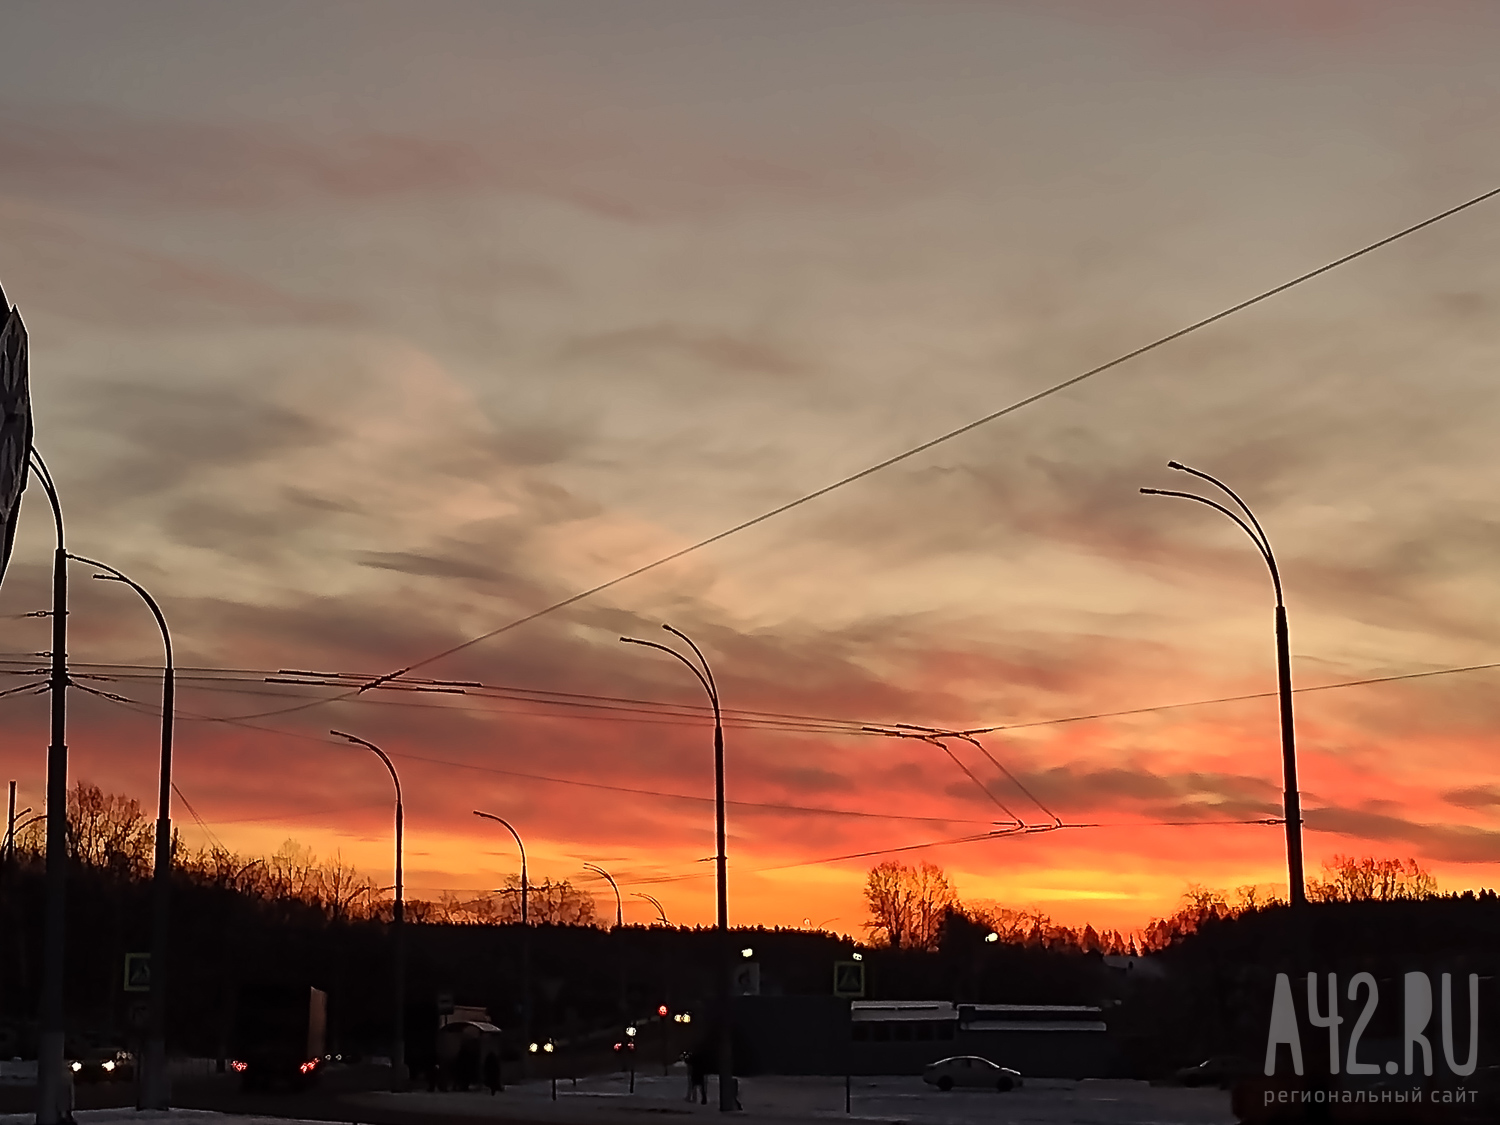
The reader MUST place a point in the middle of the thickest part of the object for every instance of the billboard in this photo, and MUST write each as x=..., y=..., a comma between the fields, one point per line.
x=15, y=424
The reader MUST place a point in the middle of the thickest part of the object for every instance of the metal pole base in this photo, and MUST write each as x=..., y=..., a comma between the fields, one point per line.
x=156, y=1085
x=54, y=1088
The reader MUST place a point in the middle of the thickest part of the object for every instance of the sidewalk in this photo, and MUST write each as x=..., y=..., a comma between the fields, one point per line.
x=607, y=1100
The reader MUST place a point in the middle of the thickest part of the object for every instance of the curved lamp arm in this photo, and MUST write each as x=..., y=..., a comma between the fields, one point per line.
x=114, y=575
x=45, y=476
x=654, y=902
x=381, y=754
x=619, y=905
x=513, y=832
x=713, y=688
x=1263, y=548
x=1231, y=493
x=713, y=696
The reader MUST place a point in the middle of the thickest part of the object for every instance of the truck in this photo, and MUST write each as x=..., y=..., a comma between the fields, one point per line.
x=280, y=1034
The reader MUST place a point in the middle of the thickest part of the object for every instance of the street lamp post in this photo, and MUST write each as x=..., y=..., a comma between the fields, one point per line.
x=1291, y=799
x=10, y=822
x=619, y=906
x=154, y=1091
x=525, y=936
x=8, y=851
x=727, y=1099
x=660, y=913
x=519, y=845
x=51, y=1093
x=619, y=921
x=398, y=1042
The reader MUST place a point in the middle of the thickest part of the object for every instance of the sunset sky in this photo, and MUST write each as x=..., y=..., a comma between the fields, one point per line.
x=359, y=330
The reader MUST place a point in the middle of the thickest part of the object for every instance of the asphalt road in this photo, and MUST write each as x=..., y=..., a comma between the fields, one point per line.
x=354, y=1096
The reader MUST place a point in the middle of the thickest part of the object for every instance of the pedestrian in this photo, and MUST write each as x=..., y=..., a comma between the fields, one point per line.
x=697, y=1075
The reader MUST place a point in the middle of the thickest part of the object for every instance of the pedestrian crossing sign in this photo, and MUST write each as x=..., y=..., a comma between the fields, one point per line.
x=849, y=979
x=137, y=972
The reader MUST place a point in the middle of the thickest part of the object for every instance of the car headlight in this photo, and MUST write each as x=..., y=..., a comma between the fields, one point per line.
x=109, y=1064
x=77, y=1067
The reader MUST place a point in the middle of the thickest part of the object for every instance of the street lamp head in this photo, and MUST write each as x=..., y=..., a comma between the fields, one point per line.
x=992, y=937
x=1177, y=465
x=747, y=952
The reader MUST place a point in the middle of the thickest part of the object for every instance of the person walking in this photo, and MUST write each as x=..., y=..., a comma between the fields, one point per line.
x=697, y=1075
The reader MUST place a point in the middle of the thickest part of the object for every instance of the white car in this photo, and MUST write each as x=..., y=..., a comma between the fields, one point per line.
x=970, y=1070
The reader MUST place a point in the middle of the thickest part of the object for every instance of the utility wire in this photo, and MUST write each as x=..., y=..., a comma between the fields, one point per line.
x=203, y=824
x=970, y=839
x=699, y=711
x=406, y=756
x=1230, y=699
x=913, y=451
x=912, y=733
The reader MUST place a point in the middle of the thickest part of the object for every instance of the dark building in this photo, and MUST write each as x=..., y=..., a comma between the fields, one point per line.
x=828, y=1035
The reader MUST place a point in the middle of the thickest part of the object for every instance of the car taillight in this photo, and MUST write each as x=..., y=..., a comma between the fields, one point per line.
x=238, y=1066
x=309, y=1066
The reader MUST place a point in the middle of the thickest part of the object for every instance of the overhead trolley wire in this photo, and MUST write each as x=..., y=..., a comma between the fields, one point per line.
x=834, y=726
x=931, y=443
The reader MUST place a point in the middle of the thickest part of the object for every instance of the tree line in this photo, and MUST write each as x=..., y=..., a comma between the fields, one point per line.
x=110, y=832
x=913, y=906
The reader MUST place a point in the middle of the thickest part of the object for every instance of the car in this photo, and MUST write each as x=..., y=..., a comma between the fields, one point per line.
x=1217, y=1070
x=104, y=1064
x=970, y=1070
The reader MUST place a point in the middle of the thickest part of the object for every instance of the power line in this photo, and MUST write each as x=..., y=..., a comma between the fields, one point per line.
x=913, y=451
x=813, y=810
x=834, y=726
x=969, y=839
x=1231, y=699
x=769, y=806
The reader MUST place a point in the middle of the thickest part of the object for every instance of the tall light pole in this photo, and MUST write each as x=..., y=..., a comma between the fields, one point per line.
x=624, y=987
x=398, y=935
x=525, y=937
x=521, y=847
x=660, y=913
x=1291, y=799
x=9, y=847
x=155, y=1091
x=619, y=907
x=727, y=1100
x=51, y=1096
